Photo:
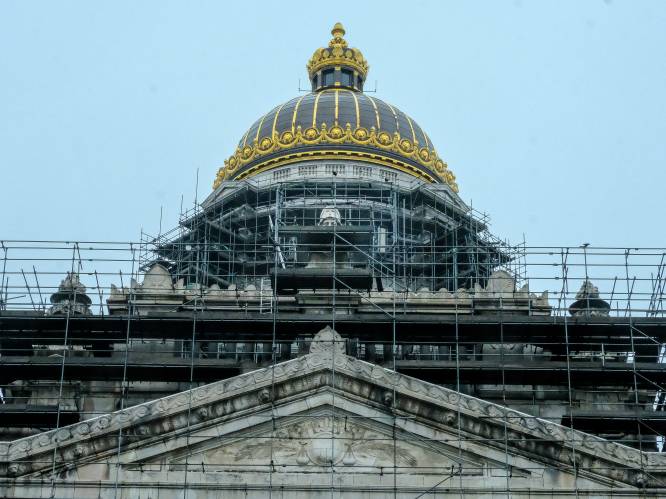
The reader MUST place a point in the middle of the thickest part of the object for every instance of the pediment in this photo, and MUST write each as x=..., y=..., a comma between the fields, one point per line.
x=226, y=422
x=336, y=435
x=325, y=438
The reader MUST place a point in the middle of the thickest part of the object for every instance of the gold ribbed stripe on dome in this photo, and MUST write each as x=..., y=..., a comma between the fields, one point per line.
x=293, y=118
x=411, y=126
x=245, y=137
x=397, y=123
x=314, y=109
x=373, y=141
x=261, y=123
x=358, y=111
x=379, y=123
x=337, y=97
x=275, y=118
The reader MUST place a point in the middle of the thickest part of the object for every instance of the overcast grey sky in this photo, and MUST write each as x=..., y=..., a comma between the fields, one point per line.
x=552, y=114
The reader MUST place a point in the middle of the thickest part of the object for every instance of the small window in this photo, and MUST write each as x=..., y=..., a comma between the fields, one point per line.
x=328, y=77
x=347, y=78
x=359, y=83
x=316, y=81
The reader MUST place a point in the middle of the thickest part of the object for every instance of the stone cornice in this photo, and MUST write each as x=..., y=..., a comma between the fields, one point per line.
x=399, y=394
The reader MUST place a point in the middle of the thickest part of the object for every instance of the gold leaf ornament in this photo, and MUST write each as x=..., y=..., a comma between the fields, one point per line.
x=337, y=135
x=287, y=138
x=265, y=144
x=384, y=138
x=311, y=134
x=336, y=132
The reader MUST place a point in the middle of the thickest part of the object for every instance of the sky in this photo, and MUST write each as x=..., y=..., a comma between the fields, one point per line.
x=552, y=114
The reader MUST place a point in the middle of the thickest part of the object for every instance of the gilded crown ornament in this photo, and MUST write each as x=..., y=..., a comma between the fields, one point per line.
x=337, y=54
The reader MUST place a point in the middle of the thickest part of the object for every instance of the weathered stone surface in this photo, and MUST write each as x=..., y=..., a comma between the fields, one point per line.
x=157, y=294
x=375, y=420
x=70, y=297
x=588, y=302
x=327, y=342
x=157, y=281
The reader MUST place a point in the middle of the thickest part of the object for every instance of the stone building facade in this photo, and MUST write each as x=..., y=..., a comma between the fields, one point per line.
x=332, y=321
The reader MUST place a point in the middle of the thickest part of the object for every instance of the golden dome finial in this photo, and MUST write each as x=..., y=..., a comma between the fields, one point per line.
x=337, y=54
x=338, y=31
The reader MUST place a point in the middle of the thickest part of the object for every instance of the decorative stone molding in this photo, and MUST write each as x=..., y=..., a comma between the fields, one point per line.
x=158, y=294
x=70, y=297
x=327, y=342
x=308, y=443
x=501, y=296
x=417, y=400
x=589, y=303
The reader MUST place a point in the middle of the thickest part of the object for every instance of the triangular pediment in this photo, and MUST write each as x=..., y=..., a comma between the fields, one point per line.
x=322, y=438
x=328, y=410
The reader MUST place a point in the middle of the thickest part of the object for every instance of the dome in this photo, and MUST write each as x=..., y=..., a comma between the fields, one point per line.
x=336, y=121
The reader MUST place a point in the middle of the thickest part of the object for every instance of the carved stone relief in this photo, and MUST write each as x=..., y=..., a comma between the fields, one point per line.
x=483, y=420
x=323, y=441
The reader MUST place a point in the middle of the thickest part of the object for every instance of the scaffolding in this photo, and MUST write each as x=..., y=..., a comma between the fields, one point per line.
x=416, y=234
x=411, y=280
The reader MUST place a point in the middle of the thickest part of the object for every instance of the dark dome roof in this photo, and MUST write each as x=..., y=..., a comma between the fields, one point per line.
x=355, y=108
